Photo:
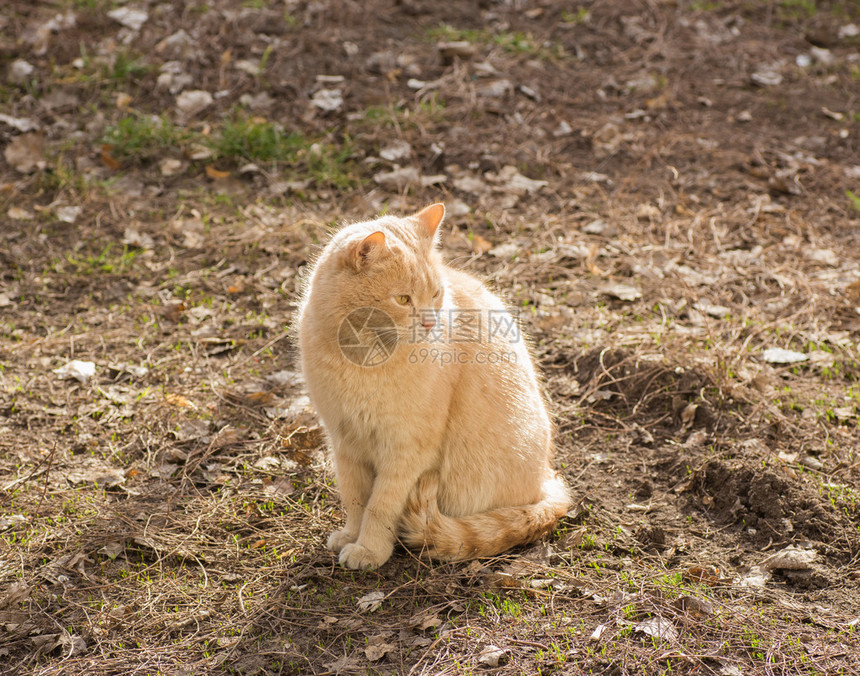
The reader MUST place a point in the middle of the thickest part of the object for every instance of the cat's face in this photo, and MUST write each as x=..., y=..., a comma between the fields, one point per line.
x=391, y=265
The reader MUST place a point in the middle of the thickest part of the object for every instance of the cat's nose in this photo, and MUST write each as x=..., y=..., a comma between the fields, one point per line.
x=428, y=323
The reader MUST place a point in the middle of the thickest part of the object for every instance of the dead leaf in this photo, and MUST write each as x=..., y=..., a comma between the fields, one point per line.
x=695, y=606
x=173, y=310
x=283, y=486
x=26, y=153
x=16, y=593
x=343, y=665
x=599, y=630
x=621, y=291
x=425, y=620
x=370, y=602
x=138, y=239
x=717, y=311
x=510, y=180
x=790, y=558
x=702, y=575
x=688, y=415
x=755, y=577
x=178, y=400
x=106, y=477
x=113, y=549
x=216, y=174
x=491, y=656
x=658, y=627
x=574, y=538
x=11, y=521
x=480, y=245
x=377, y=648
x=107, y=158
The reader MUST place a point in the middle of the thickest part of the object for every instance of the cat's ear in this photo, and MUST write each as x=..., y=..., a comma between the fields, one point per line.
x=430, y=218
x=360, y=254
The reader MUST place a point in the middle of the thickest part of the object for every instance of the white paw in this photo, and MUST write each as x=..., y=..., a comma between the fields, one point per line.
x=339, y=539
x=359, y=557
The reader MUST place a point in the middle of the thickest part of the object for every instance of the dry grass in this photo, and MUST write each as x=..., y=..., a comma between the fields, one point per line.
x=169, y=514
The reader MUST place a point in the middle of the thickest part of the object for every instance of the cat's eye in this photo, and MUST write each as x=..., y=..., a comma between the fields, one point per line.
x=437, y=294
x=402, y=300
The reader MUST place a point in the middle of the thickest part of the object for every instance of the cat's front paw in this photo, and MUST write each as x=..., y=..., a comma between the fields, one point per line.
x=339, y=539
x=359, y=557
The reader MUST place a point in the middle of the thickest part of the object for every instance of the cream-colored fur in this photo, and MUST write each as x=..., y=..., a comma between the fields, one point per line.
x=447, y=442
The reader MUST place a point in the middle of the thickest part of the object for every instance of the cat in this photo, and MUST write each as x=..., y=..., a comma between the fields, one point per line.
x=429, y=398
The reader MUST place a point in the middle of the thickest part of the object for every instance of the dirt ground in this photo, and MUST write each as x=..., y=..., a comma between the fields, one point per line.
x=668, y=191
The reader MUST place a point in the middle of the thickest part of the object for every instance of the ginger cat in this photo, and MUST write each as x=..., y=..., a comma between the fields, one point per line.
x=429, y=398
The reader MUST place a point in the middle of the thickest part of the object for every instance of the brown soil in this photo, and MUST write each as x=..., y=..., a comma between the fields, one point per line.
x=694, y=169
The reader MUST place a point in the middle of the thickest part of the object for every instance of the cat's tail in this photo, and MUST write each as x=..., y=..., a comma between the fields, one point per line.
x=425, y=528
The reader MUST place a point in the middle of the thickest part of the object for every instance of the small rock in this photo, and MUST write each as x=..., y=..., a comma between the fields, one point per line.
x=563, y=129
x=396, y=151
x=596, y=227
x=399, y=177
x=261, y=101
x=822, y=55
x=135, y=238
x=718, y=311
x=512, y=181
x=249, y=66
x=191, y=102
x=850, y=30
x=22, y=124
x=812, y=462
x=328, y=100
x=68, y=214
x=129, y=17
x=460, y=49
x=170, y=166
x=20, y=71
x=495, y=89
x=647, y=212
x=19, y=214
x=78, y=370
x=176, y=46
x=766, y=77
